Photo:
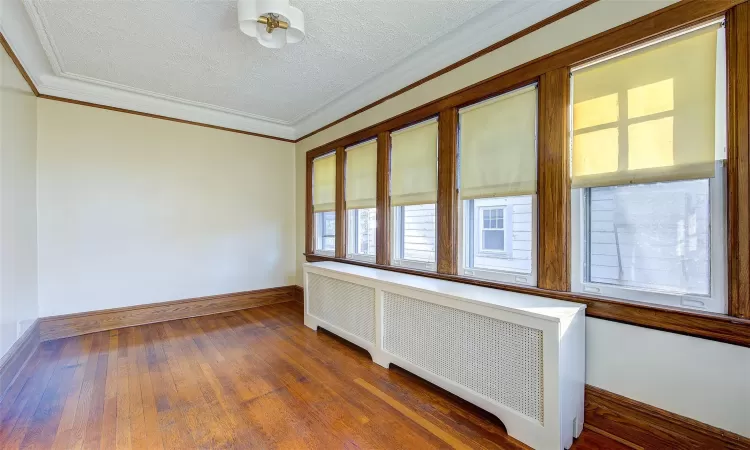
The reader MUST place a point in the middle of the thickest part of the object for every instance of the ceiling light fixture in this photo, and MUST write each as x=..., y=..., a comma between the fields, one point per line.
x=273, y=22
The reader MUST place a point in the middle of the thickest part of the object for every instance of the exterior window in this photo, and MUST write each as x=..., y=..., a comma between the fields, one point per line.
x=648, y=144
x=325, y=232
x=497, y=154
x=361, y=225
x=414, y=236
x=498, y=236
x=492, y=226
x=414, y=196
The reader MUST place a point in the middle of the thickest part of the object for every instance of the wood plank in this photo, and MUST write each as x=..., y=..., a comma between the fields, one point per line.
x=649, y=427
x=383, y=201
x=447, y=193
x=340, y=202
x=738, y=158
x=553, y=260
x=258, y=378
x=17, y=356
x=56, y=327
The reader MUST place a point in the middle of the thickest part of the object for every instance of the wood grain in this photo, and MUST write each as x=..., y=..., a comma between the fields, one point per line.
x=17, y=355
x=553, y=256
x=676, y=16
x=738, y=158
x=56, y=327
x=716, y=327
x=258, y=378
x=383, y=201
x=514, y=37
x=309, y=218
x=648, y=427
x=340, y=202
x=447, y=192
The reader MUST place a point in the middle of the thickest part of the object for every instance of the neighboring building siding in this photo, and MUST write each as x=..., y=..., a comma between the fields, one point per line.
x=419, y=233
x=518, y=257
x=663, y=235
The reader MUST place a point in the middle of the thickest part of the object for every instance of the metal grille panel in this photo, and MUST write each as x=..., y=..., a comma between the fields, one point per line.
x=498, y=359
x=348, y=306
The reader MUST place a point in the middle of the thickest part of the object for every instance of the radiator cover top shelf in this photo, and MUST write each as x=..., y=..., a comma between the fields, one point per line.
x=518, y=356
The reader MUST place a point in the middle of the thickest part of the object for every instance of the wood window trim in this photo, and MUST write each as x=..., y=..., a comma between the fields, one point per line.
x=550, y=70
x=717, y=327
x=383, y=200
x=340, y=203
x=447, y=193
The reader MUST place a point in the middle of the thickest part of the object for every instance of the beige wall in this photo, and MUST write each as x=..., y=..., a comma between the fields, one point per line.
x=134, y=210
x=18, y=252
x=701, y=379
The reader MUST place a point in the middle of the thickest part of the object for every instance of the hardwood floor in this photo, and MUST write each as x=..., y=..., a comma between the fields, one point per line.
x=256, y=378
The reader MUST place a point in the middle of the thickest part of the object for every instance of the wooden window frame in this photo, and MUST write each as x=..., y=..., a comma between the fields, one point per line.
x=551, y=72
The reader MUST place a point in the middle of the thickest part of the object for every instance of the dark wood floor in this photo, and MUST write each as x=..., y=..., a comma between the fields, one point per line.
x=256, y=378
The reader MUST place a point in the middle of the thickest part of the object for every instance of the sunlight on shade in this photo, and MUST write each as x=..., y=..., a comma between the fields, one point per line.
x=604, y=160
x=597, y=111
x=651, y=98
x=651, y=144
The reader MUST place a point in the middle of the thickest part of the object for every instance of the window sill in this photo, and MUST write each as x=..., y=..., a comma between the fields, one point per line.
x=711, y=326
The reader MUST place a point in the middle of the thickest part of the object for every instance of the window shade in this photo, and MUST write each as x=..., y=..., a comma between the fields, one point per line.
x=649, y=115
x=498, y=146
x=414, y=165
x=324, y=183
x=361, y=169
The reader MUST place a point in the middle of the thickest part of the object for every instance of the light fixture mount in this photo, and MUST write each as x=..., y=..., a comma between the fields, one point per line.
x=273, y=22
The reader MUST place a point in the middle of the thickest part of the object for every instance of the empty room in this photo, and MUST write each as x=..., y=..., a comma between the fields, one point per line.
x=375, y=224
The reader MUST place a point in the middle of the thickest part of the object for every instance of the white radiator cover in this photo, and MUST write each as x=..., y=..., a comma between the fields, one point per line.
x=518, y=356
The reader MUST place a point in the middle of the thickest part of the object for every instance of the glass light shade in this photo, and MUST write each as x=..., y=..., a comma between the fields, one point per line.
x=248, y=12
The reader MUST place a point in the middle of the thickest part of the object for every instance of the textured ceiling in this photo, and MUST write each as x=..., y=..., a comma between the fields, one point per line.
x=193, y=51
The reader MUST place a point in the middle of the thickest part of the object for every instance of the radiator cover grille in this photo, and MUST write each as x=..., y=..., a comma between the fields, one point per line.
x=498, y=359
x=348, y=306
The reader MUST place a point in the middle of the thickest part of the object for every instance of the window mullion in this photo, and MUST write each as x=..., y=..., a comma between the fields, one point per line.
x=447, y=194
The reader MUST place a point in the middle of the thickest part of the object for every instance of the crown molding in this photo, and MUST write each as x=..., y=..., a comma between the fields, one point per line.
x=502, y=23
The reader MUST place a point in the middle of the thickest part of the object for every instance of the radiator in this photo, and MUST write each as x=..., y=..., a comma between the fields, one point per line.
x=518, y=356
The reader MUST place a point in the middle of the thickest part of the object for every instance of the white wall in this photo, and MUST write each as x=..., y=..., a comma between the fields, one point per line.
x=700, y=379
x=134, y=210
x=18, y=251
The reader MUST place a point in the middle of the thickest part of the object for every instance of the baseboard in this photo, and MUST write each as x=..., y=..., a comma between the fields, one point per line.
x=299, y=292
x=17, y=355
x=56, y=327
x=639, y=425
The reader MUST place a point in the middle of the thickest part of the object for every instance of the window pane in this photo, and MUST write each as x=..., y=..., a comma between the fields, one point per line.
x=361, y=232
x=497, y=235
x=414, y=231
x=493, y=239
x=325, y=231
x=654, y=236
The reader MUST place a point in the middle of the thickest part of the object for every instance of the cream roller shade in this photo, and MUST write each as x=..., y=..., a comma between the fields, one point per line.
x=361, y=169
x=649, y=115
x=498, y=146
x=414, y=165
x=324, y=183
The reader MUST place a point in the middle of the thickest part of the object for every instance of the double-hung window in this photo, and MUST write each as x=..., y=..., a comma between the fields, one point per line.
x=361, y=168
x=648, y=150
x=413, y=195
x=324, y=204
x=497, y=179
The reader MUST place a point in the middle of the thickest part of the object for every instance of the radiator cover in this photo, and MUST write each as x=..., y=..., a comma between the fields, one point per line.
x=518, y=356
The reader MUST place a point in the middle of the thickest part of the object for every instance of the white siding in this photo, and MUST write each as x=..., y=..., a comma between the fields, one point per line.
x=518, y=257
x=419, y=233
x=655, y=236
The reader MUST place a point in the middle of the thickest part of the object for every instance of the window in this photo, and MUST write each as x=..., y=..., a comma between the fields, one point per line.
x=325, y=230
x=324, y=204
x=414, y=196
x=648, y=146
x=361, y=168
x=497, y=154
x=492, y=230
